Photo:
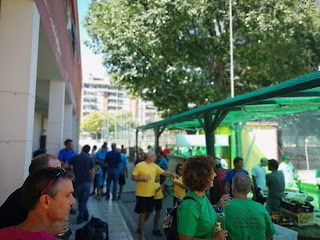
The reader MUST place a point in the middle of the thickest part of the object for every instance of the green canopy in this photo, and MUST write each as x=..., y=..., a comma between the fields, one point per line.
x=293, y=96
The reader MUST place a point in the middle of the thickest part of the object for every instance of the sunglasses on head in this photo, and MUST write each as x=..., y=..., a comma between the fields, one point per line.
x=59, y=172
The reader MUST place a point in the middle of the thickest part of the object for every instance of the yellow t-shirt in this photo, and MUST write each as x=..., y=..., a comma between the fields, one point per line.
x=179, y=192
x=157, y=195
x=143, y=169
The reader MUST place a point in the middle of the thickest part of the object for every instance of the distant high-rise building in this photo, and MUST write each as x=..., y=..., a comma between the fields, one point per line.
x=98, y=95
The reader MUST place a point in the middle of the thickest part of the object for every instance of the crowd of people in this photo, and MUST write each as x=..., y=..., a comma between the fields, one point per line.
x=197, y=218
x=41, y=207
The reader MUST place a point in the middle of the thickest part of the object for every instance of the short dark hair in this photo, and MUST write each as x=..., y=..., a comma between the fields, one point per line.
x=67, y=141
x=236, y=160
x=40, y=161
x=177, y=167
x=197, y=171
x=241, y=183
x=113, y=146
x=86, y=148
x=38, y=180
x=272, y=163
x=123, y=150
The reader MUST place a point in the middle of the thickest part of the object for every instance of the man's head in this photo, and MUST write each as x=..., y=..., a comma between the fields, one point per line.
x=103, y=148
x=68, y=143
x=150, y=157
x=49, y=190
x=113, y=146
x=44, y=160
x=238, y=162
x=264, y=161
x=123, y=150
x=218, y=162
x=86, y=148
x=285, y=158
x=273, y=165
x=241, y=184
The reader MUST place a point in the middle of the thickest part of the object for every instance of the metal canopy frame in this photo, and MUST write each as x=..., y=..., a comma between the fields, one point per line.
x=300, y=94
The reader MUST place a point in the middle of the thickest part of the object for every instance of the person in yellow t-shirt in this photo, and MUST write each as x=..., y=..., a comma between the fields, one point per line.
x=179, y=189
x=158, y=196
x=144, y=174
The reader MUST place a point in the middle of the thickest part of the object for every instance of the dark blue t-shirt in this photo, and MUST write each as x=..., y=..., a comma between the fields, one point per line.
x=82, y=165
x=230, y=175
x=113, y=159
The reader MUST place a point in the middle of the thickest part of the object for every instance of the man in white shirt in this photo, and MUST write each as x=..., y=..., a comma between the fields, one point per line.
x=259, y=180
x=290, y=174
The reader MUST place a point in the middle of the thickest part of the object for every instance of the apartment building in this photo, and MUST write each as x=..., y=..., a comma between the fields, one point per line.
x=99, y=95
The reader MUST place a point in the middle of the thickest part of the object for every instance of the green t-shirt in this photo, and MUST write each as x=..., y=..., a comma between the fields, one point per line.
x=318, y=183
x=246, y=219
x=196, y=218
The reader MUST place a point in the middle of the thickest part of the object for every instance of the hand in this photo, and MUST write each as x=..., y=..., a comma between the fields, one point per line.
x=220, y=235
x=224, y=198
x=176, y=176
x=146, y=179
x=59, y=227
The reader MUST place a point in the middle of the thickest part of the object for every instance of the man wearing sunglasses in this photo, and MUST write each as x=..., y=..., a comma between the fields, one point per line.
x=47, y=194
x=14, y=210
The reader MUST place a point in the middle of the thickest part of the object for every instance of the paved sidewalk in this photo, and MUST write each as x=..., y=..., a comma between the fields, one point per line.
x=120, y=215
x=127, y=208
x=107, y=211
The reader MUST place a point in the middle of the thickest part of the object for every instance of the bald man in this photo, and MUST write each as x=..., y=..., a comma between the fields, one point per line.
x=145, y=174
x=244, y=218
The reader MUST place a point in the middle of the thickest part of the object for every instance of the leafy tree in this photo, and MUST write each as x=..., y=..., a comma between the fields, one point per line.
x=93, y=123
x=121, y=119
x=176, y=53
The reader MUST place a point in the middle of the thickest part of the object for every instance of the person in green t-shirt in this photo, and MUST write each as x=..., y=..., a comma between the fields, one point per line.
x=318, y=184
x=244, y=218
x=196, y=218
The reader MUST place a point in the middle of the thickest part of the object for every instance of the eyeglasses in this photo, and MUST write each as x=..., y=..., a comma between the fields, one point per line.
x=60, y=172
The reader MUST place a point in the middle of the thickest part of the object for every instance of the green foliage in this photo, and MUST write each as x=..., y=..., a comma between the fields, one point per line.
x=93, y=123
x=177, y=52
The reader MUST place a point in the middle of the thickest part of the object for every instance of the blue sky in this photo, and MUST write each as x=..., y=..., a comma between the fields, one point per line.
x=91, y=63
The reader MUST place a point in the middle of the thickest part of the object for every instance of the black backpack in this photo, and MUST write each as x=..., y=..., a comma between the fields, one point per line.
x=170, y=225
x=95, y=229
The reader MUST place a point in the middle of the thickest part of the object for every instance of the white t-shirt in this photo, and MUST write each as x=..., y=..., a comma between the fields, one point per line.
x=260, y=174
x=287, y=169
